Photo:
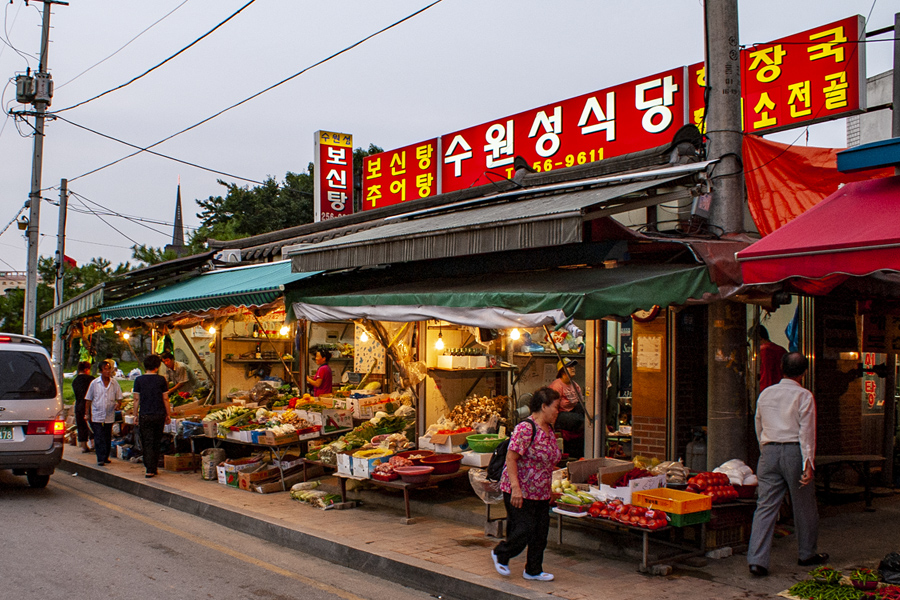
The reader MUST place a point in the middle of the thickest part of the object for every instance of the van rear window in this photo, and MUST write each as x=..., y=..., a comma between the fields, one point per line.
x=25, y=376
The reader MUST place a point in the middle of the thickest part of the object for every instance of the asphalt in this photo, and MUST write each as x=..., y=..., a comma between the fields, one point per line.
x=444, y=549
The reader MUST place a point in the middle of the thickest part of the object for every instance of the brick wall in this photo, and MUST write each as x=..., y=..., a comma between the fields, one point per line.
x=649, y=436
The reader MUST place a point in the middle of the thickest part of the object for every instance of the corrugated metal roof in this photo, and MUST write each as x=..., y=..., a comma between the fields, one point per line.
x=491, y=224
x=240, y=286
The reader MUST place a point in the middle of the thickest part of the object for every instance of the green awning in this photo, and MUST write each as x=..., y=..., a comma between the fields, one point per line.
x=515, y=299
x=250, y=286
x=81, y=303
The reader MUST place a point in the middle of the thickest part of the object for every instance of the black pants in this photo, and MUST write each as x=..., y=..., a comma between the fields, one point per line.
x=151, y=431
x=102, y=441
x=526, y=526
x=81, y=424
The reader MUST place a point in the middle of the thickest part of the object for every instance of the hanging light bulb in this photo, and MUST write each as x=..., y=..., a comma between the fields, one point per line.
x=212, y=330
x=514, y=334
x=364, y=336
x=126, y=335
x=439, y=344
x=284, y=330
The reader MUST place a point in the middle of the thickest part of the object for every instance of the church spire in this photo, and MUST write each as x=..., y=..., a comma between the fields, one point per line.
x=178, y=233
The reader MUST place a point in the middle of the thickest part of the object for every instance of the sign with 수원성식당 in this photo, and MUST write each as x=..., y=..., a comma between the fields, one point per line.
x=333, y=188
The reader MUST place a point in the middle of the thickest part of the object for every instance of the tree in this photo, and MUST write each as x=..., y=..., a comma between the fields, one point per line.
x=148, y=255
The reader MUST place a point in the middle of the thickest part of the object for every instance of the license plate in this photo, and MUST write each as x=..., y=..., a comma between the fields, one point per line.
x=6, y=433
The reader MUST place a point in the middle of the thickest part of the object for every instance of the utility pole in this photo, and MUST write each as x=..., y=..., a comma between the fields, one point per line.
x=42, y=92
x=58, y=345
x=727, y=417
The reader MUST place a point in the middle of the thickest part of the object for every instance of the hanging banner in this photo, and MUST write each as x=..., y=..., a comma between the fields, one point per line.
x=396, y=176
x=333, y=186
x=626, y=118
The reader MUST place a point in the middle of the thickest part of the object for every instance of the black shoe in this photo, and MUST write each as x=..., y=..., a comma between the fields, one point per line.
x=758, y=571
x=101, y=464
x=815, y=559
x=107, y=461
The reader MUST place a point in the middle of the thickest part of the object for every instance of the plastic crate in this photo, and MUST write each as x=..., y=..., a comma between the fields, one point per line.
x=720, y=538
x=674, y=502
x=694, y=518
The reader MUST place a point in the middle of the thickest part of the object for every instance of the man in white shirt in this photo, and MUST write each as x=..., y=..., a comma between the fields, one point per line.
x=786, y=430
x=101, y=401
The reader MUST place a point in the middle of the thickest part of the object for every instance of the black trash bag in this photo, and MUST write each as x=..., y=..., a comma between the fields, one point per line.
x=890, y=568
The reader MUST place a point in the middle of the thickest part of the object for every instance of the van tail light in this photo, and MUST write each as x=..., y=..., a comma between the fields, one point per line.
x=56, y=428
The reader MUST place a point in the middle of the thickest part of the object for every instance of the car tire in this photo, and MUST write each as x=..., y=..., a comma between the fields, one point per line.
x=37, y=481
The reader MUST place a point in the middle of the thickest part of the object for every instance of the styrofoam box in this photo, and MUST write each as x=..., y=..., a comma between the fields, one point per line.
x=424, y=443
x=476, y=459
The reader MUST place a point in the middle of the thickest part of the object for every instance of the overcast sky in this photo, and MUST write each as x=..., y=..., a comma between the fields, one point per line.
x=458, y=64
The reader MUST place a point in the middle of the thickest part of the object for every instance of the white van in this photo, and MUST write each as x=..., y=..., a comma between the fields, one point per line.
x=31, y=410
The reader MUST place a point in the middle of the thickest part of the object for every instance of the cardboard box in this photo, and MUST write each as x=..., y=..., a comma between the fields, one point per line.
x=450, y=443
x=580, y=470
x=221, y=474
x=270, y=439
x=364, y=467
x=289, y=462
x=233, y=465
x=124, y=451
x=181, y=462
x=367, y=411
x=345, y=463
x=210, y=429
x=261, y=474
x=476, y=459
x=625, y=493
x=290, y=478
x=329, y=417
x=424, y=443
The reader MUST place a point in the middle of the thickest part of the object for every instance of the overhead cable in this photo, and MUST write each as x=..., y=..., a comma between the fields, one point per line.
x=224, y=110
x=151, y=69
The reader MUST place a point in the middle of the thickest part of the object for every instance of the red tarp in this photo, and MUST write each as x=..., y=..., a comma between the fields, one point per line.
x=785, y=181
x=855, y=231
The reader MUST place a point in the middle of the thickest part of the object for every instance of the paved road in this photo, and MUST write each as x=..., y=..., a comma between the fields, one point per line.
x=80, y=540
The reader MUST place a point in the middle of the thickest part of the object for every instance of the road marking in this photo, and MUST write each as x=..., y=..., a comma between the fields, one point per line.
x=213, y=546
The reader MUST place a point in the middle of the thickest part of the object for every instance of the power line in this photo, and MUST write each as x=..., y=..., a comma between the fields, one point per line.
x=147, y=149
x=151, y=69
x=83, y=198
x=5, y=39
x=13, y=220
x=71, y=239
x=245, y=100
x=112, y=213
x=105, y=221
x=154, y=24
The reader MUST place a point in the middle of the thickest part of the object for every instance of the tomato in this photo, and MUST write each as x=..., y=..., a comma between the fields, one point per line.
x=604, y=513
x=642, y=522
x=594, y=511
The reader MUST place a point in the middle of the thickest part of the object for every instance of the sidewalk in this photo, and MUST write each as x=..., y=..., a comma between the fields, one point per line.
x=446, y=552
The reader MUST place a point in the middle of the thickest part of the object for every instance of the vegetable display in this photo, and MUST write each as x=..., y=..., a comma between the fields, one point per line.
x=714, y=485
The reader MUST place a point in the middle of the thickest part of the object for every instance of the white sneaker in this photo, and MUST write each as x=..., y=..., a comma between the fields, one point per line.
x=541, y=577
x=502, y=569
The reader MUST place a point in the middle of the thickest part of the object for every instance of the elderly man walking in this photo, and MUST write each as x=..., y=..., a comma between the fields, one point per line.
x=786, y=430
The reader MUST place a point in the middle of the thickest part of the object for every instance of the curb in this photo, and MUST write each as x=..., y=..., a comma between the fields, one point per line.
x=420, y=575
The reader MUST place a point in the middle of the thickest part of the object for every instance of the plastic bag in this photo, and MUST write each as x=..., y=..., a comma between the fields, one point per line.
x=488, y=491
x=890, y=568
x=263, y=393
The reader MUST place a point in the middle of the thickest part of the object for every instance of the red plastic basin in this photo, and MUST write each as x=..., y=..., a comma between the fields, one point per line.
x=415, y=461
x=443, y=464
x=414, y=474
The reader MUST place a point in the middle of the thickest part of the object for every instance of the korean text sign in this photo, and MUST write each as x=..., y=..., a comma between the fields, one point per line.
x=815, y=75
x=396, y=176
x=619, y=120
x=334, y=175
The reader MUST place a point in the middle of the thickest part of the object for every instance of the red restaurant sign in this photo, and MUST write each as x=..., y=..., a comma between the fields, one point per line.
x=816, y=75
x=396, y=176
x=334, y=175
x=626, y=118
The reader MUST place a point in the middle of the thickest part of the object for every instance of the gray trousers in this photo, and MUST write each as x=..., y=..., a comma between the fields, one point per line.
x=779, y=471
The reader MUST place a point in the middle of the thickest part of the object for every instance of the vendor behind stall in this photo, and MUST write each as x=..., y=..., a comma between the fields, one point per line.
x=321, y=381
x=180, y=378
x=570, y=422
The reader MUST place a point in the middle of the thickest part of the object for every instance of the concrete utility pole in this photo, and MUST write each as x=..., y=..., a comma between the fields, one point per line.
x=43, y=86
x=726, y=389
x=58, y=345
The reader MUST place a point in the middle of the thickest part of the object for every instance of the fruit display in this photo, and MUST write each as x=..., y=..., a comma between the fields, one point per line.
x=626, y=514
x=674, y=470
x=714, y=485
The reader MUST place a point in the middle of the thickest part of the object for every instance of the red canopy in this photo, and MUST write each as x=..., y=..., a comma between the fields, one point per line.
x=854, y=231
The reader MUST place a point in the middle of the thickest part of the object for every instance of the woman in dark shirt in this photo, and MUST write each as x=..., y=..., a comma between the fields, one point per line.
x=80, y=386
x=151, y=411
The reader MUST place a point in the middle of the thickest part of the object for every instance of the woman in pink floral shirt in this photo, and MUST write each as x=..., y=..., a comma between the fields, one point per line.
x=530, y=460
